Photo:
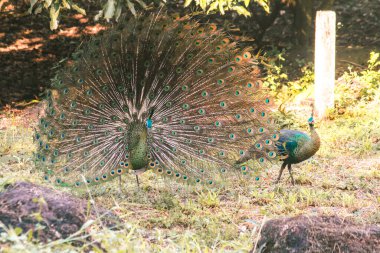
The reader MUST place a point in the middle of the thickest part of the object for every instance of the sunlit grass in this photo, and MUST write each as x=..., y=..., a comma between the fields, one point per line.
x=162, y=218
x=343, y=178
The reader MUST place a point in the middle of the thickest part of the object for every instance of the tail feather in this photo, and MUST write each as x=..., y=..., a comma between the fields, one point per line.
x=207, y=99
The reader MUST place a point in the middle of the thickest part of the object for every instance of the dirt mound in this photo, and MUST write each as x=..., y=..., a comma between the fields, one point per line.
x=58, y=214
x=317, y=234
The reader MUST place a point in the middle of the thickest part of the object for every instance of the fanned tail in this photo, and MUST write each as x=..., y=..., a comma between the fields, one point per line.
x=203, y=98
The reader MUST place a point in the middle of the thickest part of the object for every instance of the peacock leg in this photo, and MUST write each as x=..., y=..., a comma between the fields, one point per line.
x=120, y=190
x=137, y=180
x=281, y=170
x=290, y=172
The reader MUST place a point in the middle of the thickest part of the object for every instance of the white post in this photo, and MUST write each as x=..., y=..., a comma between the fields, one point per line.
x=324, y=63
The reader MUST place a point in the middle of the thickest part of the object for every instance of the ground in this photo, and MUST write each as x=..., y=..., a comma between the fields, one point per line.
x=342, y=179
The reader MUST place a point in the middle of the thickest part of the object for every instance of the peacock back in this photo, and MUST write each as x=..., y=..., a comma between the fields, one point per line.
x=295, y=146
x=160, y=93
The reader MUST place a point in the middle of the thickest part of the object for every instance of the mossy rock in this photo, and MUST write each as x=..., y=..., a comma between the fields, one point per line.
x=317, y=234
x=57, y=214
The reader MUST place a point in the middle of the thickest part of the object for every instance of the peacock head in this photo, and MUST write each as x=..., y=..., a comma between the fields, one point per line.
x=149, y=121
x=311, y=121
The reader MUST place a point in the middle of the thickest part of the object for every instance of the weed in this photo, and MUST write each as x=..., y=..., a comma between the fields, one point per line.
x=209, y=199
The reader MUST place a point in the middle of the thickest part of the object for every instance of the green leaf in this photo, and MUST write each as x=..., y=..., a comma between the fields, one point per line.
x=65, y=4
x=32, y=3
x=142, y=4
x=118, y=11
x=18, y=231
x=131, y=7
x=203, y=4
x=37, y=216
x=79, y=9
x=187, y=3
x=246, y=2
x=264, y=5
x=97, y=16
x=241, y=10
x=47, y=3
x=229, y=4
x=109, y=10
x=38, y=10
x=87, y=224
x=221, y=7
x=54, y=13
x=296, y=86
x=30, y=235
x=213, y=7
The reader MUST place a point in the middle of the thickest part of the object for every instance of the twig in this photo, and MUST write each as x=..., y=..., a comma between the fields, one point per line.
x=257, y=239
x=353, y=63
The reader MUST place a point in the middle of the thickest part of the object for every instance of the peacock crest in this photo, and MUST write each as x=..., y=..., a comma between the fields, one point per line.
x=170, y=95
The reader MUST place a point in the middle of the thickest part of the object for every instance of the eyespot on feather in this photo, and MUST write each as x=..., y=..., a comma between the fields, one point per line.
x=225, y=41
x=212, y=27
x=238, y=59
x=247, y=55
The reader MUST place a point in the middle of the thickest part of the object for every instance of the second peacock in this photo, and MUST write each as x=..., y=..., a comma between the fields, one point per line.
x=156, y=93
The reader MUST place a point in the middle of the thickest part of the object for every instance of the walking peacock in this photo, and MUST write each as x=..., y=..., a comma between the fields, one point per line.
x=160, y=93
x=295, y=147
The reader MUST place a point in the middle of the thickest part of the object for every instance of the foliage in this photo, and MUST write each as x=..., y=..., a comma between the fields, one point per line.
x=54, y=7
x=277, y=79
x=273, y=61
x=355, y=87
x=209, y=199
x=221, y=6
x=355, y=128
x=112, y=9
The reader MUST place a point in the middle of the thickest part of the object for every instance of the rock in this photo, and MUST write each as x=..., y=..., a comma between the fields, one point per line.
x=24, y=205
x=317, y=234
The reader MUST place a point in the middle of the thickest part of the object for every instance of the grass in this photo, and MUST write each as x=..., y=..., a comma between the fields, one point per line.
x=343, y=179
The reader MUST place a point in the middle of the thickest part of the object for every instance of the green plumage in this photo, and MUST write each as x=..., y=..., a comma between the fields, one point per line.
x=294, y=147
x=156, y=93
x=138, y=146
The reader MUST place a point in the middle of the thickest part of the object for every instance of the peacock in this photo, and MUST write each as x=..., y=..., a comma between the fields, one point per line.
x=159, y=93
x=295, y=146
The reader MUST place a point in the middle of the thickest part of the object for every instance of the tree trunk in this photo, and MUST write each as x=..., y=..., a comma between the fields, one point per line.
x=303, y=16
x=326, y=5
x=266, y=20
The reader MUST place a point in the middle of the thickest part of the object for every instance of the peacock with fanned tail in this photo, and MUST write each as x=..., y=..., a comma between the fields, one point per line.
x=159, y=93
